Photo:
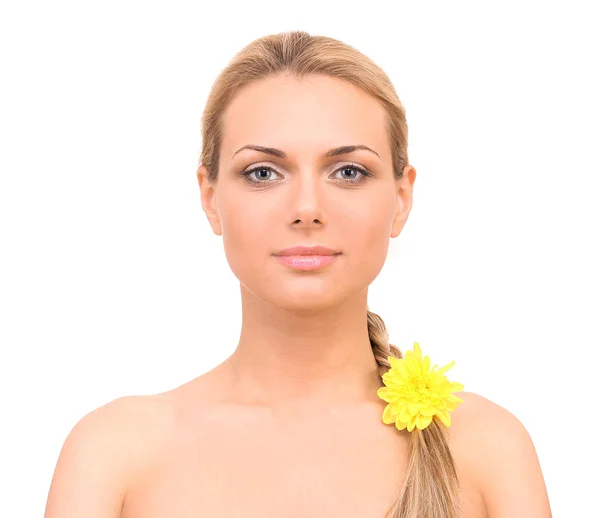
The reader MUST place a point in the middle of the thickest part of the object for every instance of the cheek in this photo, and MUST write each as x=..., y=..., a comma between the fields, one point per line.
x=370, y=244
x=364, y=234
x=369, y=225
x=245, y=237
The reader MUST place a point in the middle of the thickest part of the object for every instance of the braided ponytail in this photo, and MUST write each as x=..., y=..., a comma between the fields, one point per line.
x=431, y=488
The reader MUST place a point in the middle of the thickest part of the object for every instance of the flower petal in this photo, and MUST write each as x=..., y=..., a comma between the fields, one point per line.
x=404, y=413
x=428, y=410
x=403, y=369
x=444, y=416
x=426, y=365
x=400, y=423
x=386, y=394
x=394, y=362
x=456, y=387
x=423, y=421
x=446, y=368
x=414, y=408
x=417, y=349
x=389, y=415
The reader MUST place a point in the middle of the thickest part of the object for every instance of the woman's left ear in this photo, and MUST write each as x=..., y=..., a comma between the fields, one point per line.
x=404, y=190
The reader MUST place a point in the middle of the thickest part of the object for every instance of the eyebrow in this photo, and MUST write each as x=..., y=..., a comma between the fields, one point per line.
x=342, y=150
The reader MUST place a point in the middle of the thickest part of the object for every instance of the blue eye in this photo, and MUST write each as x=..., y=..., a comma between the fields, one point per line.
x=260, y=168
x=353, y=167
x=348, y=167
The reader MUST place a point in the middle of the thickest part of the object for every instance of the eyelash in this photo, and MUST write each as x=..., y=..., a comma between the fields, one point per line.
x=358, y=168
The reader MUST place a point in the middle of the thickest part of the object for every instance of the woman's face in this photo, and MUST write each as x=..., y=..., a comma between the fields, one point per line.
x=305, y=197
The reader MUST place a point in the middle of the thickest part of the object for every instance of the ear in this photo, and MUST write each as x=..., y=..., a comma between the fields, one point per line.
x=208, y=199
x=404, y=188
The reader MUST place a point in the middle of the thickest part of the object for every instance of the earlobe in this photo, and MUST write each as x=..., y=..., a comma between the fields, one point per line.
x=208, y=200
x=398, y=224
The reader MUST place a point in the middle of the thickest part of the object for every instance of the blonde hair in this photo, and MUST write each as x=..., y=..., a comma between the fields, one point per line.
x=431, y=488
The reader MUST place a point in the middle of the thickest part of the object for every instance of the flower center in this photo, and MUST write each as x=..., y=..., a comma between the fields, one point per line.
x=421, y=388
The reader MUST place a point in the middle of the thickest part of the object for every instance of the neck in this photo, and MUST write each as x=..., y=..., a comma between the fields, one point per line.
x=315, y=357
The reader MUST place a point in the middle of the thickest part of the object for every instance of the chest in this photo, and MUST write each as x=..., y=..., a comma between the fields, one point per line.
x=253, y=469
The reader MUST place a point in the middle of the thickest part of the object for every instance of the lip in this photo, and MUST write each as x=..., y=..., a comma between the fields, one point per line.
x=316, y=250
x=304, y=257
x=307, y=262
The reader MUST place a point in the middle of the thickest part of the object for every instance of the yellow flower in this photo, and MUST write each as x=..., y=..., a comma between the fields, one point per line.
x=415, y=394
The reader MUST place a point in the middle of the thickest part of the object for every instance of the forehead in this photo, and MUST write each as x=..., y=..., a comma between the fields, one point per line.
x=313, y=113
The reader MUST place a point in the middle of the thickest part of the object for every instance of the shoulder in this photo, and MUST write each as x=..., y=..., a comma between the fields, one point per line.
x=496, y=450
x=481, y=426
x=126, y=425
x=134, y=425
x=104, y=451
x=120, y=421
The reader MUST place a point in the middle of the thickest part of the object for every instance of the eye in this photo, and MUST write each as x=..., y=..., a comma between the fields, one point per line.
x=265, y=170
x=354, y=167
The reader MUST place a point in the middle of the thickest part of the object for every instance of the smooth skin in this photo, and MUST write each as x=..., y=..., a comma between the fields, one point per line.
x=290, y=424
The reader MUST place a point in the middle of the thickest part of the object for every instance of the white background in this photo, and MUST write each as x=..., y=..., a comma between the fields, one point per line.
x=113, y=284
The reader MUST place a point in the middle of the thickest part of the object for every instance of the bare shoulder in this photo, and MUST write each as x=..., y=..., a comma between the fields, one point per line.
x=497, y=451
x=480, y=427
x=104, y=451
x=132, y=422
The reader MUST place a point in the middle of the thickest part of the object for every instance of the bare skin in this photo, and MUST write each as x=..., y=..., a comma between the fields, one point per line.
x=290, y=424
x=339, y=460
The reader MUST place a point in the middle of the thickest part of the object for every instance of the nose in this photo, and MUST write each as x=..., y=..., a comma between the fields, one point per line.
x=306, y=199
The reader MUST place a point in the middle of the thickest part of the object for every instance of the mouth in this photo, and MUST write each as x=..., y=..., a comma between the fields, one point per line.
x=307, y=262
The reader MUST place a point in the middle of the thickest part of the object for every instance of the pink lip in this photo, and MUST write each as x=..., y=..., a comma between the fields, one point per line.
x=307, y=250
x=306, y=262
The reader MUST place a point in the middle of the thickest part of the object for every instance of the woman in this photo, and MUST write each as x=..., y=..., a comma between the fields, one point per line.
x=304, y=145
